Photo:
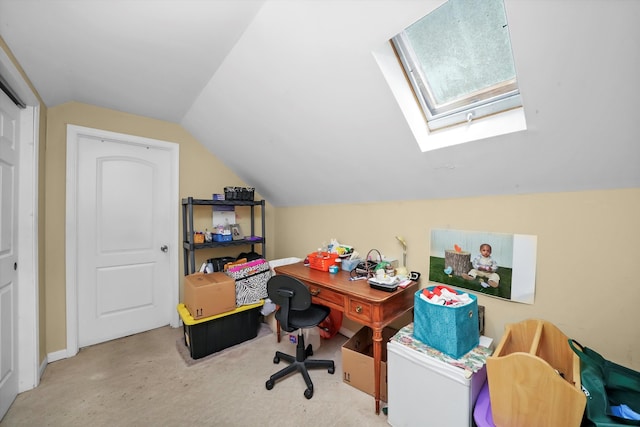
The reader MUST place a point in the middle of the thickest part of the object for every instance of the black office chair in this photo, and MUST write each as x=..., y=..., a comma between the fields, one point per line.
x=296, y=311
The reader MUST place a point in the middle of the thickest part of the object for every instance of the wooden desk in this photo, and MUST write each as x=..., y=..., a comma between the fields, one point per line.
x=358, y=301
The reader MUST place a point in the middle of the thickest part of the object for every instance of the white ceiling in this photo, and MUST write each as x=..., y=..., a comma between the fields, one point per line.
x=288, y=95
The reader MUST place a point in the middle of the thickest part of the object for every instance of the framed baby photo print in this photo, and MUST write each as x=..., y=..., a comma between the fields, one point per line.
x=495, y=264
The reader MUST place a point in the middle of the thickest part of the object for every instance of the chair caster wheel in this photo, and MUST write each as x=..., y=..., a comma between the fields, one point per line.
x=331, y=370
x=308, y=393
x=269, y=384
x=276, y=359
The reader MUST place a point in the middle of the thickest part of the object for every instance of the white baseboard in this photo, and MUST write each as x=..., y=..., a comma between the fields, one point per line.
x=56, y=355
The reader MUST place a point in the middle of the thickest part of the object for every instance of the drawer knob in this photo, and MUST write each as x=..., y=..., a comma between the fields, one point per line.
x=314, y=292
x=359, y=309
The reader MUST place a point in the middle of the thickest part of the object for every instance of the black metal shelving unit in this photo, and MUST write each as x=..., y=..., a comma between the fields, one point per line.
x=188, y=231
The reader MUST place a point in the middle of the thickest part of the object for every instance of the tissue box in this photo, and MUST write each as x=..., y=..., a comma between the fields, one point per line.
x=451, y=330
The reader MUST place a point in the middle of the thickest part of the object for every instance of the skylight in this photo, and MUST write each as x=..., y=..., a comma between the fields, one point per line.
x=459, y=66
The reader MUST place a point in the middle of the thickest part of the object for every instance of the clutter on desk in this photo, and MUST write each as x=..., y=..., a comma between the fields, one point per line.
x=381, y=273
x=389, y=283
x=321, y=260
x=367, y=268
x=343, y=251
x=333, y=254
x=350, y=264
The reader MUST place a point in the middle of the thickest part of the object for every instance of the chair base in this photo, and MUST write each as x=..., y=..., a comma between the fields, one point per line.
x=301, y=364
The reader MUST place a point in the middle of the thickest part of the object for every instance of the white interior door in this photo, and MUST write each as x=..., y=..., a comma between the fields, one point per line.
x=9, y=139
x=125, y=231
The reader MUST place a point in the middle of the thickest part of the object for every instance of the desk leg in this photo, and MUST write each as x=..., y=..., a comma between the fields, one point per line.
x=377, y=358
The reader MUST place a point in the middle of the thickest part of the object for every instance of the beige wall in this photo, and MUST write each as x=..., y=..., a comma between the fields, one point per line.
x=201, y=175
x=572, y=228
x=587, y=280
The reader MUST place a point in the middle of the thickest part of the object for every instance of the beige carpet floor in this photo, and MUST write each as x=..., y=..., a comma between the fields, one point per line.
x=142, y=380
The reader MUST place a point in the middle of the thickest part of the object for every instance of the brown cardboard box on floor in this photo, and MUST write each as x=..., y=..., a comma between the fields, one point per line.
x=357, y=361
x=209, y=294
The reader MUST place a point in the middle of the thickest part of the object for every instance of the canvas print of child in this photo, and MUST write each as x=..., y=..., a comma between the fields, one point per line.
x=485, y=267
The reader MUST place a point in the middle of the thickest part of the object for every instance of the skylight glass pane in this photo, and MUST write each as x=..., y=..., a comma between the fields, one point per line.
x=459, y=63
x=463, y=47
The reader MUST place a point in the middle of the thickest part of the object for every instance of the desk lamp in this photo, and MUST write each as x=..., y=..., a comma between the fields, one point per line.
x=402, y=270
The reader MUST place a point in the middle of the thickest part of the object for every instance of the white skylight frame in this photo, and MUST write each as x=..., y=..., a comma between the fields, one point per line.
x=498, y=113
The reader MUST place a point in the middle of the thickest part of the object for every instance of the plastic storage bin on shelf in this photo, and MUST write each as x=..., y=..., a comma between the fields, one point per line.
x=222, y=237
x=215, y=333
x=239, y=193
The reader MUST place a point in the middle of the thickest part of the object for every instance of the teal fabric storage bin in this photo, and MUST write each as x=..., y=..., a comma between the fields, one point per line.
x=451, y=330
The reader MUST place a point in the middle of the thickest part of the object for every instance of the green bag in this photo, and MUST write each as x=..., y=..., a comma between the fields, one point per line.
x=606, y=384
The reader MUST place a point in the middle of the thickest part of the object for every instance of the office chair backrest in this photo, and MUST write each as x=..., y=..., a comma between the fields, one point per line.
x=288, y=290
x=290, y=294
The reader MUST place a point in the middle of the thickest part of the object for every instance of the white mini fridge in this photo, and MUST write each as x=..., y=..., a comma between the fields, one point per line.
x=427, y=388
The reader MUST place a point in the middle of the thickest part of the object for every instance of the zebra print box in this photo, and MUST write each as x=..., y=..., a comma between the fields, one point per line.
x=251, y=281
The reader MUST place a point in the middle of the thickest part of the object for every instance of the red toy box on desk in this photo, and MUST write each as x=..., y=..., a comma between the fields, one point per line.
x=322, y=260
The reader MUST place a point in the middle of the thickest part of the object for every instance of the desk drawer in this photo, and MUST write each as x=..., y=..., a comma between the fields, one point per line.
x=359, y=309
x=322, y=294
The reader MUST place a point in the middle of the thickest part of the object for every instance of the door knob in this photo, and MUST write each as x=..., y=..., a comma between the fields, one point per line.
x=164, y=248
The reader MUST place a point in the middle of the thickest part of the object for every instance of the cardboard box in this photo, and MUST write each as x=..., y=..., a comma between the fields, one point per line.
x=206, y=295
x=357, y=361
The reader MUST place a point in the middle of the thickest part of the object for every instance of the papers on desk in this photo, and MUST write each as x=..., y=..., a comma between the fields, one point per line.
x=388, y=284
x=404, y=283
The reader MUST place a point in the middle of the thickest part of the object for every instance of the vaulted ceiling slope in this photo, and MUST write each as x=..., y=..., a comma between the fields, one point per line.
x=289, y=96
